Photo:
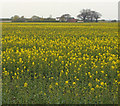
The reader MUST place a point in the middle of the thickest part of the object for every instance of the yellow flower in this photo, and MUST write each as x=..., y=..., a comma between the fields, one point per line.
x=33, y=63
x=102, y=71
x=66, y=82
x=15, y=74
x=118, y=83
x=56, y=83
x=112, y=67
x=62, y=71
x=97, y=86
x=62, y=62
x=24, y=67
x=115, y=80
x=20, y=60
x=89, y=73
x=90, y=76
x=51, y=77
x=118, y=75
x=21, y=70
x=17, y=68
x=117, y=71
x=28, y=56
x=102, y=83
x=13, y=77
x=74, y=83
x=90, y=84
x=6, y=73
x=25, y=84
x=92, y=89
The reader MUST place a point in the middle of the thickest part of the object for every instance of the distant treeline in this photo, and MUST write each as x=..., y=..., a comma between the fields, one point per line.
x=16, y=18
x=43, y=21
x=86, y=15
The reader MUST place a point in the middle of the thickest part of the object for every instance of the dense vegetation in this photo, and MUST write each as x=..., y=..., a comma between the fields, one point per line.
x=54, y=63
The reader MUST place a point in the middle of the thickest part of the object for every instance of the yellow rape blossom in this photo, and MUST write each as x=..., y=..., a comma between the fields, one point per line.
x=25, y=84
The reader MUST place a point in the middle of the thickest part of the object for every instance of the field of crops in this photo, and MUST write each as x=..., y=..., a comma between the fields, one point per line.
x=54, y=63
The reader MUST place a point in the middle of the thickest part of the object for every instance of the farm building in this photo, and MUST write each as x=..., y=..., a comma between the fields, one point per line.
x=72, y=20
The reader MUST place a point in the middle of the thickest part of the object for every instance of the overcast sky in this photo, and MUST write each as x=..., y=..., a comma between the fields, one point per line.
x=45, y=8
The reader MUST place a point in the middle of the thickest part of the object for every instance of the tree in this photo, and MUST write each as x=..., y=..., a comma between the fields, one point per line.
x=88, y=16
x=35, y=18
x=84, y=14
x=22, y=19
x=114, y=21
x=15, y=18
x=65, y=17
x=97, y=15
x=92, y=15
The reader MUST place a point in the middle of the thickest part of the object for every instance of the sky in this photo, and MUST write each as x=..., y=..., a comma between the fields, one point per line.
x=56, y=8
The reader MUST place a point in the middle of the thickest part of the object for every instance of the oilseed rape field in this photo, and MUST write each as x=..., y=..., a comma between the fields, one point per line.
x=60, y=63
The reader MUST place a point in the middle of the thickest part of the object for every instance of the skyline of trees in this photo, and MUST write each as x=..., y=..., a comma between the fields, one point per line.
x=86, y=15
x=89, y=16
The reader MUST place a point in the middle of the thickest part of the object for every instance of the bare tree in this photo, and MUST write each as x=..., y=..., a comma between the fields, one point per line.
x=92, y=15
x=84, y=14
x=96, y=16
x=88, y=16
